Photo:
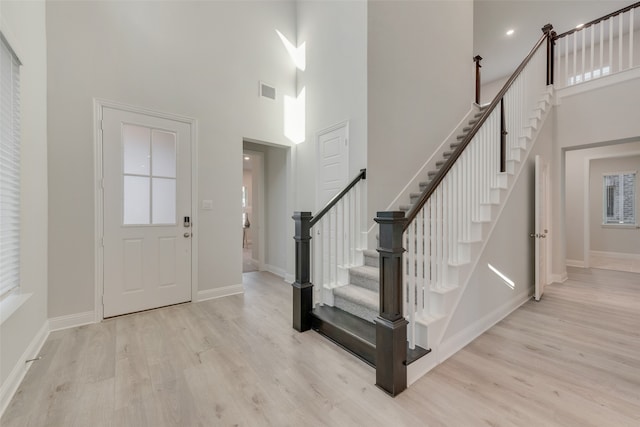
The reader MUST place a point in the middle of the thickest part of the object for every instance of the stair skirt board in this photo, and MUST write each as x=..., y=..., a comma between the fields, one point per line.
x=355, y=335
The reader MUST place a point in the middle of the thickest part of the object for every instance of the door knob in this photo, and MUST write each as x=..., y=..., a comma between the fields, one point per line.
x=187, y=235
x=532, y=235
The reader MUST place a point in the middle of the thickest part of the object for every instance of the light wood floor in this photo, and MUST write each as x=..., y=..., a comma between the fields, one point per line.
x=572, y=359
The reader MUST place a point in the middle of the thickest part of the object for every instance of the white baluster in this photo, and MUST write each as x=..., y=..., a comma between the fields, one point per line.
x=566, y=61
x=601, y=28
x=411, y=282
x=583, y=56
x=319, y=235
x=358, y=197
x=442, y=245
x=352, y=227
x=611, y=23
x=433, y=254
x=631, y=23
x=593, y=30
x=423, y=258
x=620, y=39
x=575, y=56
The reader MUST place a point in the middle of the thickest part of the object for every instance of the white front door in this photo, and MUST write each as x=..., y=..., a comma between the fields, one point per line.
x=147, y=211
x=541, y=231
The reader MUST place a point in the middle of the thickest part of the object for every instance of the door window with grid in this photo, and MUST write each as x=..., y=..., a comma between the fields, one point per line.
x=619, y=198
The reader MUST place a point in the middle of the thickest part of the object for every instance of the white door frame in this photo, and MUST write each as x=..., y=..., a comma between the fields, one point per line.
x=98, y=105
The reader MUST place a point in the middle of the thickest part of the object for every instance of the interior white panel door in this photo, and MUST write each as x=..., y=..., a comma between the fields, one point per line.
x=541, y=227
x=147, y=198
x=333, y=162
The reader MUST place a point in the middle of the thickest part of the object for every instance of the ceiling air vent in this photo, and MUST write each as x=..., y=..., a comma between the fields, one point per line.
x=267, y=91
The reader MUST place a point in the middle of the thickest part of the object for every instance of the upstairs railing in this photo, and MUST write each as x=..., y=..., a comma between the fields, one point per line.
x=336, y=229
x=448, y=215
x=604, y=46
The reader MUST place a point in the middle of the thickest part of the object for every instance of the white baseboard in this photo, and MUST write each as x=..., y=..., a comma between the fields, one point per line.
x=449, y=347
x=71, y=321
x=289, y=278
x=619, y=255
x=559, y=278
x=11, y=384
x=275, y=270
x=575, y=263
x=225, y=291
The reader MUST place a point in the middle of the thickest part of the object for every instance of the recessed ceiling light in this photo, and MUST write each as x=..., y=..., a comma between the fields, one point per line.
x=579, y=26
x=247, y=158
x=510, y=32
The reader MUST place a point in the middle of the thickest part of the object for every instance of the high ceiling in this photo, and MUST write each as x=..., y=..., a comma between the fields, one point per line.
x=492, y=18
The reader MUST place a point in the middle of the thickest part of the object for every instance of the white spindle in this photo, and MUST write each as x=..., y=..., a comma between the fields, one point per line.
x=592, y=49
x=601, y=25
x=620, y=39
x=358, y=218
x=583, y=55
x=575, y=56
x=411, y=270
x=320, y=280
x=611, y=22
x=566, y=61
x=433, y=242
x=631, y=37
x=444, y=218
x=421, y=256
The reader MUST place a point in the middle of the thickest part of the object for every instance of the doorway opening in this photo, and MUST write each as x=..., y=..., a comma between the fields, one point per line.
x=591, y=240
x=267, y=227
x=252, y=182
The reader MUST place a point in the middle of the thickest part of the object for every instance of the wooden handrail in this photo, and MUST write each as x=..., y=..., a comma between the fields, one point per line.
x=437, y=179
x=596, y=21
x=337, y=197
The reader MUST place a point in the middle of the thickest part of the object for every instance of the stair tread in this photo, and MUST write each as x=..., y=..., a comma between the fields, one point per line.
x=359, y=295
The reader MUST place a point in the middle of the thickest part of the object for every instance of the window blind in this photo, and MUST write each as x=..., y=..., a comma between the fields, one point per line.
x=9, y=168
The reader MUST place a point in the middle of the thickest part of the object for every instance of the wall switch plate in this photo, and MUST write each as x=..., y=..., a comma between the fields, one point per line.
x=207, y=205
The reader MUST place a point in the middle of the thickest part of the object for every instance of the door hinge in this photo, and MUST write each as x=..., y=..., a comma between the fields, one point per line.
x=101, y=124
x=102, y=242
x=102, y=300
x=346, y=141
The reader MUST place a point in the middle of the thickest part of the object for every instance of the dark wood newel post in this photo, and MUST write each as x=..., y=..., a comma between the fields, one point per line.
x=302, y=287
x=477, y=60
x=391, y=326
x=547, y=30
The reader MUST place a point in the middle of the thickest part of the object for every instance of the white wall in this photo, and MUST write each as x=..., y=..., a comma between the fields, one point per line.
x=335, y=79
x=575, y=181
x=589, y=116
x=23, y=24
x=198, y=59
x=622, y=240
x=421, y=84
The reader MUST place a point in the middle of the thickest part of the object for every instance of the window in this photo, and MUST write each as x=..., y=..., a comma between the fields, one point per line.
x=579, y=78
x=149, y=176
x=619, y=198
x=10, y=167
